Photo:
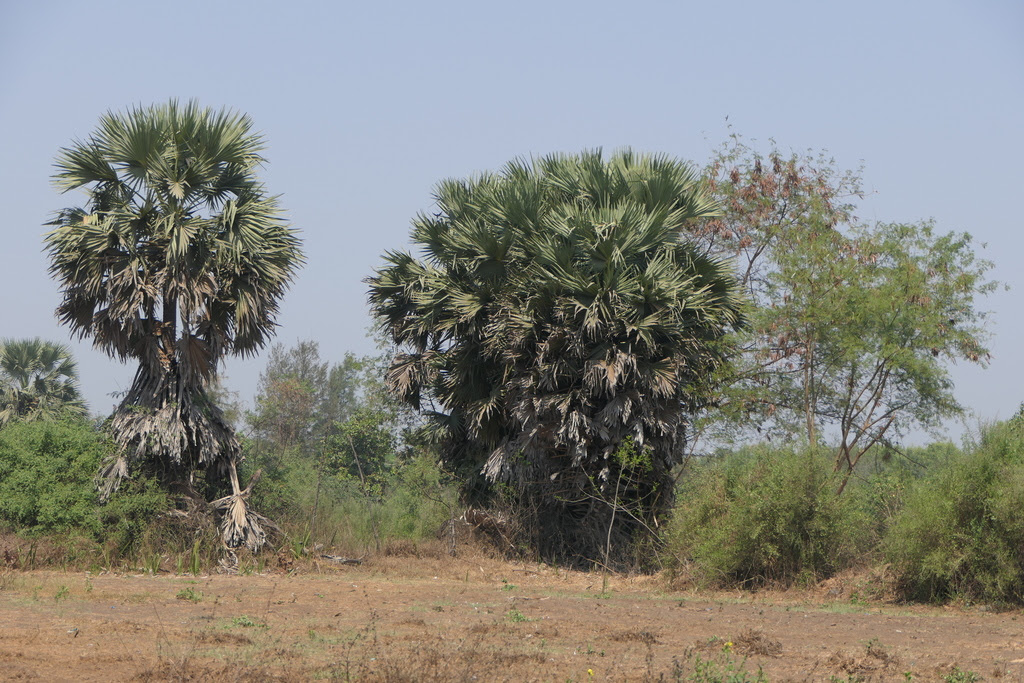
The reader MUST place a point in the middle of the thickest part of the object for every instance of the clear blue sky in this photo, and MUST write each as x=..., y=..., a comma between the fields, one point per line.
x=366, y=106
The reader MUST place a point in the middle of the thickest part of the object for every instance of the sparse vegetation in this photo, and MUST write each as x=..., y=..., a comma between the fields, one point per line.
x=721, y=668
x=957, y=675
x=245, y=621
x=403, y=618
x=515, y=616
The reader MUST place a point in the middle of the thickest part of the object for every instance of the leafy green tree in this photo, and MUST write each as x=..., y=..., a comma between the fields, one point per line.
x=302, y=399
x=178, y=259
x=329, y=420
x=289, y=394
x=853, y=324
x=357, y=384
x=558, y=310
x=361, y=446
x=330, y=444
x=38, y=381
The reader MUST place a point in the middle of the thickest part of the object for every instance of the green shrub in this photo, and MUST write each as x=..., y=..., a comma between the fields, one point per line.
x=410, y=502
x=885, y=477
x=287, y=491
x=47, y=475
x=767, y=516
x=128, y=520
x=961, y=532
x=418, y=501
x=405, y=500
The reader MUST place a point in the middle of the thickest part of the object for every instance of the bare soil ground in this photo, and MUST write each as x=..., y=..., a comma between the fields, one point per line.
x=408, y=618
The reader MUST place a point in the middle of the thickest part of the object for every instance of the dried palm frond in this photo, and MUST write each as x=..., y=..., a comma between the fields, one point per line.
x=240, y=525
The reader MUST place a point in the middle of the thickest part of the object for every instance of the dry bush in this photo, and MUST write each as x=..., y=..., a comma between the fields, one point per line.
x=876, y=660
x=636, y=636
x=867, y=584
x=756, y=643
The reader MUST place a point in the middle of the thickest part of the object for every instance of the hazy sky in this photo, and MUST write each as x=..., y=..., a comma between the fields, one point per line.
x=366, y=106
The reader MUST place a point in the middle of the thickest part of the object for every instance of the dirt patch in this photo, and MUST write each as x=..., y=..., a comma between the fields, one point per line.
x=407, y=617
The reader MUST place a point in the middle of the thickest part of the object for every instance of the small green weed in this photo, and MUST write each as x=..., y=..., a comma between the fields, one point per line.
x=195, y=561
x=958, y=675
x=724, y=669
x=300, y=544
x=506, y=586
x=190, y=595
x=515, y=616
x=62, y=593
x=247, y=622
x=152, y=563
x=721, y=668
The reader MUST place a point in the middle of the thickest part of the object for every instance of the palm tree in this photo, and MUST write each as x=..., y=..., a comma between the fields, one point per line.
x=38, y=381
x=562, y=330
x=178, y=259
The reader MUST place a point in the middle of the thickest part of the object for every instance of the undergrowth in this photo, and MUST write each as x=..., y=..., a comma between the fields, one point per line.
x=766, y=516
x=51, y=515
x=943, y=522
x=960, y=534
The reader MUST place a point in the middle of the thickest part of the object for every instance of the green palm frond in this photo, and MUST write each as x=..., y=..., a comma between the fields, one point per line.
x=38, y=381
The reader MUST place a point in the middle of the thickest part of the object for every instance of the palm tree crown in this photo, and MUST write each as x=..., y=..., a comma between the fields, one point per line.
x=178, y=236
x=38, y=381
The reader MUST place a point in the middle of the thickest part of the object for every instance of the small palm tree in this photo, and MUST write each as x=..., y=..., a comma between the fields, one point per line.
x=178, y=259
x=563, y=330
x=38, y=381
